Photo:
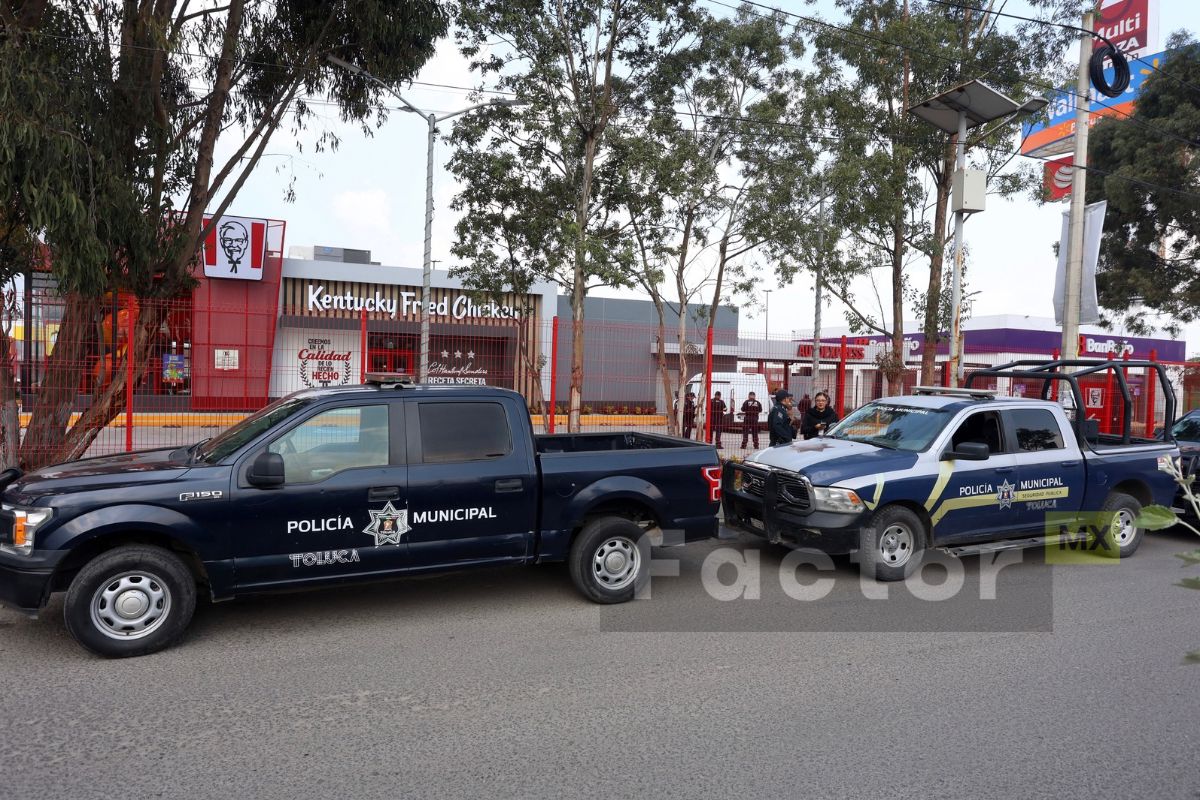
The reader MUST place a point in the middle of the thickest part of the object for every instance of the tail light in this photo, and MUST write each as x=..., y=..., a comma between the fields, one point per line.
x=713, y=476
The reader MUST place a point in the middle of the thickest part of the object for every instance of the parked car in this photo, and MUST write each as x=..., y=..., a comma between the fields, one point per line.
x=960, y=469
x=342, y=485
x=1186, y=434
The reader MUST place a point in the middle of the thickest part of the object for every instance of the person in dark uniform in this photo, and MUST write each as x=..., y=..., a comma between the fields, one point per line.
x=779, y=421
x=750, y=411
x=716, y=415
x=689, y=414
x=819, y=419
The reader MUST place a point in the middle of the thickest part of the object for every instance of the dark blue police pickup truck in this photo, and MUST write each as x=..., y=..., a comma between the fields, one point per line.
x=963, y=470
x=340, y=485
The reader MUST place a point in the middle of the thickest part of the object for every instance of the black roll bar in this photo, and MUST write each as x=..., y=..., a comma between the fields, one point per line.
x=1047, y=371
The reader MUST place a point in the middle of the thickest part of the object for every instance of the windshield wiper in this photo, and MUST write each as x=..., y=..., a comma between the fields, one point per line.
x=194, y=451
x=879, y=443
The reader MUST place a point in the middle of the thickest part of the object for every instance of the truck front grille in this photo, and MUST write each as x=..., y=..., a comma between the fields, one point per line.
x=794, y=493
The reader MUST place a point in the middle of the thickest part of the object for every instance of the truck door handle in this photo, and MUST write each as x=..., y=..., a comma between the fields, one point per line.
x=1004, y=470
x=379, y=494
x=1069, y=463
x=510, y=485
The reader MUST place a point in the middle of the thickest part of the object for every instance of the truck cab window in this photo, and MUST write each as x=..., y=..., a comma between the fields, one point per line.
x=983, y=428
x=334, y=441
x=463, y=432
x=1036, y=430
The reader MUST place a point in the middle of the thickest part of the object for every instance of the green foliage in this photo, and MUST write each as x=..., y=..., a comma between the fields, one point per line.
x=1151, y=243
x=1191, y=559
x=889, y=169
x=1157, y=518
x=110, y=113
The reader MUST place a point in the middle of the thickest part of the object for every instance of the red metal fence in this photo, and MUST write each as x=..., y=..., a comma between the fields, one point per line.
x=69, y=364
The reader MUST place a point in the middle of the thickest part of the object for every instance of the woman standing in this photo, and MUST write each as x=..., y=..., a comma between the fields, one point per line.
x=819, y=419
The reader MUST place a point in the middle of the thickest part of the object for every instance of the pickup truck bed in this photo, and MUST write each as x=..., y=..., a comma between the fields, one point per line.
x=343, y=485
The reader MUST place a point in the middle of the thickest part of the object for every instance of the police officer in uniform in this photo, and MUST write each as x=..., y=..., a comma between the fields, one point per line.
x=716, y=413
x=750, y=411
x=689, y=414
x=779, y=421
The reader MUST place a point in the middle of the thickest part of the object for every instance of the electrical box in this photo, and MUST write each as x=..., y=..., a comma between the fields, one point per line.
x=970, y=190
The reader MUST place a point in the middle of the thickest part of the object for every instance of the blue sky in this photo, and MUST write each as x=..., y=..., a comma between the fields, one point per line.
x=370, y=194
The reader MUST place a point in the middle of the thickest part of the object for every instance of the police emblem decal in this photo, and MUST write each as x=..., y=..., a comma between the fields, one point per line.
x=1005, y=494
x=387, y=524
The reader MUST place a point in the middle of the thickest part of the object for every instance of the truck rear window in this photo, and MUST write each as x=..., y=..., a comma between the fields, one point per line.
x=463, y=432
x=1037, y=429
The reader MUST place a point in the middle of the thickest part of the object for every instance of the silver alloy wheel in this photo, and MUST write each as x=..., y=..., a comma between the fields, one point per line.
x=1124, y=527
x=896, y=545
x=616, y=562
x=131, y=605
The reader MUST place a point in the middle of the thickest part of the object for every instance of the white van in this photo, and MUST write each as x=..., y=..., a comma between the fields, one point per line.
x=734, y=388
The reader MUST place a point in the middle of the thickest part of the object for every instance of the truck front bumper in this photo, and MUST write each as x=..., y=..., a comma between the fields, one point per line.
x=26, y=581
x=754, y=503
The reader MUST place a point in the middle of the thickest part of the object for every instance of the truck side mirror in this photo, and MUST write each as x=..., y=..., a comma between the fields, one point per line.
x=967, y=451
x=266, y=471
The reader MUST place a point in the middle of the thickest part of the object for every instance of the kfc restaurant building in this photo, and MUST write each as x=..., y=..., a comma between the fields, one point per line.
x=263, y=326
x=337, y=320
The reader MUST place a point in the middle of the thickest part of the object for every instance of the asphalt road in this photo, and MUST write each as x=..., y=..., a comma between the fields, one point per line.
x=505, y=683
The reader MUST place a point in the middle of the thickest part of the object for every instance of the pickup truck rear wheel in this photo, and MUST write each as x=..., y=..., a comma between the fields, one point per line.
x=608, y=558
x=892, y=545
x=1121, y=535
x=130, y=601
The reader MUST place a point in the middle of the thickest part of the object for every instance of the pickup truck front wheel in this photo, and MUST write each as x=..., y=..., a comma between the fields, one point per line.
x=608, y=558
x=130, y=601
x=893, y=544
x=1120, y=535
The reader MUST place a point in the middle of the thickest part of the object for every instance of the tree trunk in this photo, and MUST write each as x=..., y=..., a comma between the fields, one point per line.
x=579, y=283
x=48, y=441
x=663, y=375
x=112, y=400
x=933, y=296
x=10, y=416
x=55, y=398
x=689, y=221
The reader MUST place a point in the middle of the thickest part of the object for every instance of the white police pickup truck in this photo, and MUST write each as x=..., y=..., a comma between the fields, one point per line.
x=963, y=470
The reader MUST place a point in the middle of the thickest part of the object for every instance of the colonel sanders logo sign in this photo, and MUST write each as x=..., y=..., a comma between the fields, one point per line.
x=236, y=248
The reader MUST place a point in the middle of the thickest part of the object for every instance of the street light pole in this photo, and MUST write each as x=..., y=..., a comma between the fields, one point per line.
x=432, y=120
x=960, y=163
x=767, y=315
x=1073, y=279
x=427, y=265
x=968, y=105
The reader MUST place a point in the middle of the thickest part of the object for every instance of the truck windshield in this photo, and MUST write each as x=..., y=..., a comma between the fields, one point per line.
x=894, y=426
x=250, y=428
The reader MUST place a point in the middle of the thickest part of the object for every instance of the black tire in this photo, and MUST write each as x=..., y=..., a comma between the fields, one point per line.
x=1120, y=537
x=156, y=589
x=892, y=544
x=609, y=558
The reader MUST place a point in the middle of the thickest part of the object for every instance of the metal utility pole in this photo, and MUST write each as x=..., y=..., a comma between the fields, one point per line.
x=1073, y=283
x=960, y=164
x=767, y=315
x=816, y=353
x=432, y=120
x=427, y=263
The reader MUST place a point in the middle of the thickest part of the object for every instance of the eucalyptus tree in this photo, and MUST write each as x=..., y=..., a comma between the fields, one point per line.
x=538, y=178
x=112, y=116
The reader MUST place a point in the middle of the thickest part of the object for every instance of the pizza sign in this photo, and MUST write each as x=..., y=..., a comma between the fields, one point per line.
x=235, y=248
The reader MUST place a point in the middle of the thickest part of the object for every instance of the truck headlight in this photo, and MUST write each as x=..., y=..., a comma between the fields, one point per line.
x=25, y=526
x=839, y=501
